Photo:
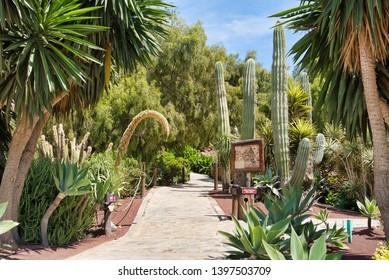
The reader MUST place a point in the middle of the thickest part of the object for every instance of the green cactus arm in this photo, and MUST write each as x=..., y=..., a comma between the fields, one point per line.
x=279, y=104
x=301, y=163
x=248, y=121
x=222, y=108
x=320, y=147
x=307, y=89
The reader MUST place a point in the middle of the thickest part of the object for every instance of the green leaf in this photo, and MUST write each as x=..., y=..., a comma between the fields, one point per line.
x=297, y=251
x=7, y=225
x=334, y=256
x=3, y=207
x=276, y=230
x=318, y=249
x=272, y=252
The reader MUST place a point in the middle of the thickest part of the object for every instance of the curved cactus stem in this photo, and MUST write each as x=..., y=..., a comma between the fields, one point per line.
x=301, y=163
x=125, y=140
x=248, y=121
x=279, y=104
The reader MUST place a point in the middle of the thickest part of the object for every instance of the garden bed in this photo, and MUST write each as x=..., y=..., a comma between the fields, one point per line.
x=364, y=241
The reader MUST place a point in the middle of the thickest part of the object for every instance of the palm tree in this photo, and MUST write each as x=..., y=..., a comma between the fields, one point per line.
x=347, y=43
x=58, y=54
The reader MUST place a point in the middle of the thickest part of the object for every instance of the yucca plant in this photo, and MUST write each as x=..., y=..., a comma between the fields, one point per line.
x=299, y=249
x=369, y=209
x=7, y=224
x=70, y=181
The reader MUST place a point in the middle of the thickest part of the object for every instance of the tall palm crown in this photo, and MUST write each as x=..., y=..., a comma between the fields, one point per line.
x=330, y=47
x=48, y=46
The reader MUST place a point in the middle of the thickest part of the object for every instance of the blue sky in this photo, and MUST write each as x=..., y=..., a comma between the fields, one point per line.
x=239, y=25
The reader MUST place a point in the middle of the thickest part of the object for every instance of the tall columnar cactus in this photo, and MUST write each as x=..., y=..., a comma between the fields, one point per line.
x=248, y=121
x=224, y=130
x=301, y=163
x=279, y=104
x=307, y=89
x=320, y=147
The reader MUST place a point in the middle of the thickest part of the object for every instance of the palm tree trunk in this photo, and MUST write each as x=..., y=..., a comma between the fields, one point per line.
x=378, y=131
x=46, y=217
x=19, y=141
x=20, y=155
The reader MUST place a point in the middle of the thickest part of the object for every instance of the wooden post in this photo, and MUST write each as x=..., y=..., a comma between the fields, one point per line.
x=155, y=175
x=143, y=185
x=216, y=175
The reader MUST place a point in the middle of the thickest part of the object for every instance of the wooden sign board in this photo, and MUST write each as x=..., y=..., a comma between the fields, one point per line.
x=248, y=156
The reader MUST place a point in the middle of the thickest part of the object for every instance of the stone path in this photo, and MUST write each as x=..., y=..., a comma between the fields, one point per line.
x=180, y=222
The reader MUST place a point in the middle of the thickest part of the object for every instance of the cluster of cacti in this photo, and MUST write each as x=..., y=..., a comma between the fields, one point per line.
x=280, y=122
x=248, y=120
x=60, y=149
x=223, y=127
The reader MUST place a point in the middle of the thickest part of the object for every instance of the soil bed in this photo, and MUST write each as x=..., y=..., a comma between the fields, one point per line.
x=364, y=241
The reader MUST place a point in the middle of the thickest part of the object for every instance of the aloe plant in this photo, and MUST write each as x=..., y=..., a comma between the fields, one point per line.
x=7, y=224
x=70, y=181
x=369, y=209
x=299, y=249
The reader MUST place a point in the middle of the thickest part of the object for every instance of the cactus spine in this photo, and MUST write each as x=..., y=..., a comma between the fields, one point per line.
x=307, y=89
x=248, y=121
x=301, y=163
x=224, y=129
x=279, y=104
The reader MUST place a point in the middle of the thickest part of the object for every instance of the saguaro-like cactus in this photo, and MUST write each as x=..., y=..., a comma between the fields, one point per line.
x=279, y=104
x=248, y=121
x=307, y=89
x=224, y=129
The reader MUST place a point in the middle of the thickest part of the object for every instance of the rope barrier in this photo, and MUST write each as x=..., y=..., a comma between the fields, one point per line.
x=128, y=207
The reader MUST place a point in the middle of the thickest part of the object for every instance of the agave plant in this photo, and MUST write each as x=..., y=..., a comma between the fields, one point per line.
x=250, y=242
x=70, y=181
x=7, y=224
x=369, y=209
x=299, y=249
x=267, y=183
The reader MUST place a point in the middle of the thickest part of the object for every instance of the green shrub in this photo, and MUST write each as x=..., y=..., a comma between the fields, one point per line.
x=70, y=221
x=123, y=179
x=171, y=168
x=198, y=162
x=382, y=252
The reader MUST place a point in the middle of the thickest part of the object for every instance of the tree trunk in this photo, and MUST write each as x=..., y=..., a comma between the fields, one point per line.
x=20, y=155
x=378, y=130
x=19, y=141
x=46, y=217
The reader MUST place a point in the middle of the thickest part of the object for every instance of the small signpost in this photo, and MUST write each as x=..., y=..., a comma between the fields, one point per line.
x=247, y=157
x=108, y=208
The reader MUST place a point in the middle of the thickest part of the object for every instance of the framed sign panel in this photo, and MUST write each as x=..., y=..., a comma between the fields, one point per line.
x=248, y=156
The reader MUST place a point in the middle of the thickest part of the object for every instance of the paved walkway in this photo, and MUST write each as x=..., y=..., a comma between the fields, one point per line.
x=180, y=222
x=177, y=223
